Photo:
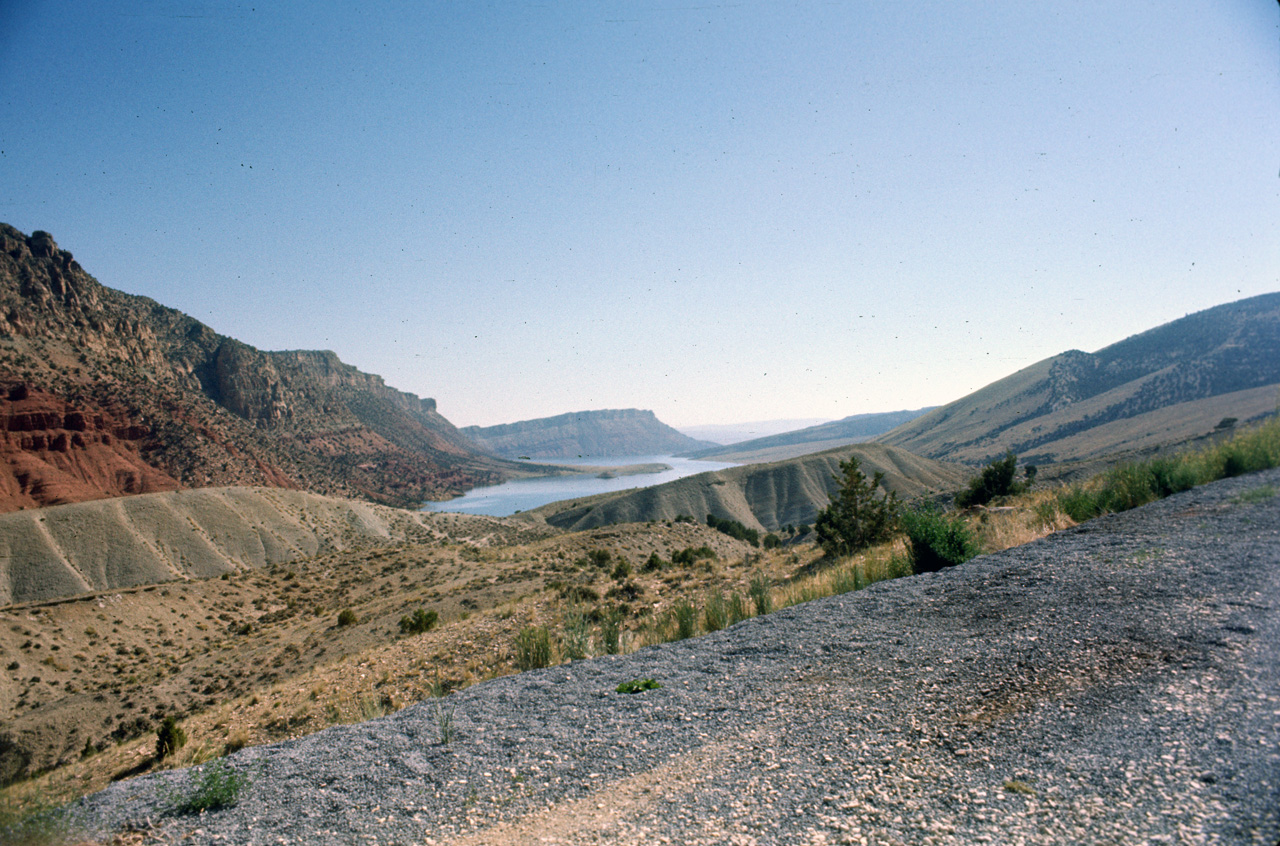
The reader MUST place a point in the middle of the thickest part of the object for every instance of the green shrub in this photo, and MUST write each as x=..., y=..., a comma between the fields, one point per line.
x=600, y=558
x=686, y=617
x=533, y=648
x=418, y=622
x=169, y=737
x=995, y=480
x=734, y=529
x=576, y=643
x=1080, y=503
x=857, y=517
x=738, y=610
x=611, y=633
x=347, y=617
x=772, y=541
x=623, y=570
x=692, y=555
x=210, y=787
x=761, y=594
x=638, y=686
x=936, y=541
x=716, y=615
x=655, y=563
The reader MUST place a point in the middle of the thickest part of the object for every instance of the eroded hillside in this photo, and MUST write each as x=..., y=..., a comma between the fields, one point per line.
x=196, y=407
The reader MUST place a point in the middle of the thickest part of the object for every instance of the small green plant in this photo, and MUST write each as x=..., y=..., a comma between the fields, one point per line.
x=444, y=711
x=761, y=594
x=169, y=737
x=936, y=540
x=655, y=563
x=347, y=617
x=623, y=570
x=210, y=787
x=576, y=643
x=715, y=616
x=611, y=632
x=638, y=686
x=419, y=621
x=686, y=617
x=533, y=648
x=738, y=610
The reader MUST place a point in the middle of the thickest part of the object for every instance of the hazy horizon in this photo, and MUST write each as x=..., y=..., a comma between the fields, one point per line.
x=731, y=213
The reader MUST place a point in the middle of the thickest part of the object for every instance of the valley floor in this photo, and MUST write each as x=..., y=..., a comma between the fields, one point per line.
x=1116, y=682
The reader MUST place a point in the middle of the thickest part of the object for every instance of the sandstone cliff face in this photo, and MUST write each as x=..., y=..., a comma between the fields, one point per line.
x=214, y=411
x=584, y=434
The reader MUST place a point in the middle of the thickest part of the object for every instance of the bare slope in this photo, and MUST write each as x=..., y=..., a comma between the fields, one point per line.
x=124, y=542
x=584, y=434
x=1166, y=385
x=761, y=496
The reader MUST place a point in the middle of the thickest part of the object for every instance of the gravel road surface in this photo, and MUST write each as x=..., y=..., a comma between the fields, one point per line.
x=1115, y=683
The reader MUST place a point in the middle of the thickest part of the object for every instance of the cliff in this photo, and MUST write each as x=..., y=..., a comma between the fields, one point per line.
x=165, y=402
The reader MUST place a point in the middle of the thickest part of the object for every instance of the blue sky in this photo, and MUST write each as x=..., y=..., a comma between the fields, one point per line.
x=721, y=212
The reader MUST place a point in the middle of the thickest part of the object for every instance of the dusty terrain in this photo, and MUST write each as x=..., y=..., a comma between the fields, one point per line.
x=1118, y=682
x=259, y=655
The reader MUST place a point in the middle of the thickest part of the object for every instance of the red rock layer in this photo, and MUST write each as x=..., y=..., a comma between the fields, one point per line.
x=53, y=453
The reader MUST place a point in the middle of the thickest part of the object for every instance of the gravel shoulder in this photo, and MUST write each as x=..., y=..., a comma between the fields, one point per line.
x=1117, y=682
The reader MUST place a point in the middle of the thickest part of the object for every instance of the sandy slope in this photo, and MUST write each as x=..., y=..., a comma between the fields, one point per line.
x=108, y=544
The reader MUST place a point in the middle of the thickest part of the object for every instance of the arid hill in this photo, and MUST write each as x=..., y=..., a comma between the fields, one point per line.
x=65, y=550
x=104, y=393
x=584, y=434
x=1168, y=385
x=760, y=496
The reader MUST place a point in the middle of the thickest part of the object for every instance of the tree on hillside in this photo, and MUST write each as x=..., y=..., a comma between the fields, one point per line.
x=857, y=517
x=996, y=479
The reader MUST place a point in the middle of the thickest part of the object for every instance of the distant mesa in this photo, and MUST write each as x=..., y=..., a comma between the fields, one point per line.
x=584, y=434
x=104, y=394
x=1168, y=385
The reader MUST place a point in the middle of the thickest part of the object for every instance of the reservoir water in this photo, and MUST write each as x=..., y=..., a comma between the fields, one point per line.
x=523, y=494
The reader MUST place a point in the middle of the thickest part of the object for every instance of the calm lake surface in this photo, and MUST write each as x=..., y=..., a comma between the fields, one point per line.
x=522, y=494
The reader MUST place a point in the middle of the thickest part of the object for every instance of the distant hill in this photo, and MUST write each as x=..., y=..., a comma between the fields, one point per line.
x=1163, y=386
x=850, y=430
x=760, y=496
x=734, y=433
x=584, y=434
x=103, y=393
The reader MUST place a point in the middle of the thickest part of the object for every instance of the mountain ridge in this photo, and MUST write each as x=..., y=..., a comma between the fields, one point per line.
x=202, y=408
x=1222, y=362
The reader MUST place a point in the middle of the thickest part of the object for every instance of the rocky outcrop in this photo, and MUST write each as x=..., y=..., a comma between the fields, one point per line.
x=205, y=409
x=584, y=434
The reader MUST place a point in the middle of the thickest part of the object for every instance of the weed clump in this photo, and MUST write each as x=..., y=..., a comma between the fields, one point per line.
x=533, y=648
x=347, y=617
x=169, y=737
x=210, y=787
x=638, y=686
x=419, y=621
x=936, y=540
